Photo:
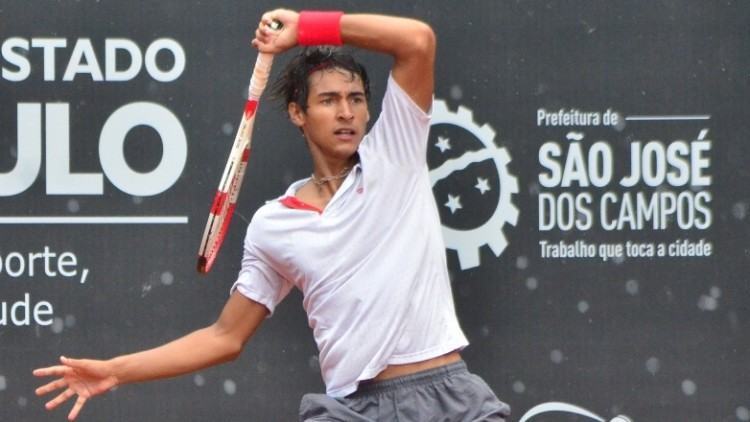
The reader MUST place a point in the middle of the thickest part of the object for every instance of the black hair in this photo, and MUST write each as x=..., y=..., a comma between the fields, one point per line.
x=292, y=84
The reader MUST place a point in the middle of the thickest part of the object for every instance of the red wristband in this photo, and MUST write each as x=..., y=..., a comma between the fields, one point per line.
x=319, y=28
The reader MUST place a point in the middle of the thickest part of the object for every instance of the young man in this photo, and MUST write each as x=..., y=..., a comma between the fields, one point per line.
x=360, y=238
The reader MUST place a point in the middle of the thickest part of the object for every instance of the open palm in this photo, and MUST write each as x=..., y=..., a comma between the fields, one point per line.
x=82, y=377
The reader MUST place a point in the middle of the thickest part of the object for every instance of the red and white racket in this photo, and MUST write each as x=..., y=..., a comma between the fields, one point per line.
x=231, y=180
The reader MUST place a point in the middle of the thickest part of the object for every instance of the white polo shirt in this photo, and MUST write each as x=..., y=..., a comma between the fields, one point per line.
x=371, y=266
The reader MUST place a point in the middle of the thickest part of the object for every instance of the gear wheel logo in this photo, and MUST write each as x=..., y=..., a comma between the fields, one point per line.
x=468, y=241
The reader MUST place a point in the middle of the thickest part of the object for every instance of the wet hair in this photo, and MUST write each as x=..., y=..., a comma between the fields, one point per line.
x=292, y=85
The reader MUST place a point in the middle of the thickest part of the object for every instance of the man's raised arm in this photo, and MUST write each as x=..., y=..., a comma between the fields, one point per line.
x=410, y=42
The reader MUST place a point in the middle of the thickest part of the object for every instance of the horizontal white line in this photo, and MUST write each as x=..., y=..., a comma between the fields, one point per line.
x=94, y=220
x=695, y=117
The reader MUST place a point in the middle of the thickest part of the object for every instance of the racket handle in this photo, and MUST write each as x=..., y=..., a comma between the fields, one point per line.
x=261, y=72
x=262, y=69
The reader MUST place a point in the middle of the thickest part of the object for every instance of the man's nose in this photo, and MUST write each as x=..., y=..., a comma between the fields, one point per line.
x=345, y=111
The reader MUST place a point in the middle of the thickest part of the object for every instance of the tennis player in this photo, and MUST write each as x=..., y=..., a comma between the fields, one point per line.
x=361, y=238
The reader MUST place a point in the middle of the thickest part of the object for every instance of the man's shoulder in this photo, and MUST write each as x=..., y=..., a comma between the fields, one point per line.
x=267, y=211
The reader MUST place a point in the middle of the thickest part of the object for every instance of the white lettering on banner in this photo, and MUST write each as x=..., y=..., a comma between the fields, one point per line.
x=575, y=117
x=664, y=186
x=173, y=140
x=111, y=47
x=653, y=164
x=83, y=60
x=29, y=151
x=27, y=266
x=20, y=312
x=48, y=45
x=596, y=169
x=11, y=54
x=179, y=60
x=649, y=164
x=59, y=179
x=16, y=51
x=42, y=263
x=578, y=249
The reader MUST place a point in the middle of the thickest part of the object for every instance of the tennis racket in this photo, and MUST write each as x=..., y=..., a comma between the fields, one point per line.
x=225, y=199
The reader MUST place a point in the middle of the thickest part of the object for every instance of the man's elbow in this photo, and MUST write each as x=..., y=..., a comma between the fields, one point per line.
x=227, y=346
x=232, y=350
x=423, y=40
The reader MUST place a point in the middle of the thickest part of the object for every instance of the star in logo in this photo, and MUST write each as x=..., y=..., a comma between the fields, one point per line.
x=443, y=144
x=454, y=203
x=483, y=185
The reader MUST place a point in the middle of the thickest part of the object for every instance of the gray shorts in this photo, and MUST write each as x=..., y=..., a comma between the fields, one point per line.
x=448, y=393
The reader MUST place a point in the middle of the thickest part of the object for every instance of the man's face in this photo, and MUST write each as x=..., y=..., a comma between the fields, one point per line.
x=336, y=117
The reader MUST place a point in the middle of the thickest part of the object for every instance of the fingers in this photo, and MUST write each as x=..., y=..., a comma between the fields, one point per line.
x=76, y=408
x=269, y=40
x=57, y=370
x=50, y=387
x=268, y=17
x=65, y=395
x=74, y=363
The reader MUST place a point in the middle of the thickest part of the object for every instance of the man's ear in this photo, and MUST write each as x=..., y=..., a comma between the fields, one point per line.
x=296, y=114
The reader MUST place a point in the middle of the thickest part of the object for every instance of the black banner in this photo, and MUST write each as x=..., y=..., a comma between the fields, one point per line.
x=588, y=160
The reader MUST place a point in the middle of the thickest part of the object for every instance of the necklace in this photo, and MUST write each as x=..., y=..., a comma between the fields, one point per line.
x=323, y=180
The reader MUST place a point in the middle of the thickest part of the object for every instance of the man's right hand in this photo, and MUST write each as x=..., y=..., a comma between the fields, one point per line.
x=268, y=40
x=82, y=377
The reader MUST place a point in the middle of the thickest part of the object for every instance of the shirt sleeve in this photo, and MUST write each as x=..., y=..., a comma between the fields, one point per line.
x=401, y=132
x=258, y=281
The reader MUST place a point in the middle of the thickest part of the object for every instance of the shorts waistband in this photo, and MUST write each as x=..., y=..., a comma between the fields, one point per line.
x=426, y=377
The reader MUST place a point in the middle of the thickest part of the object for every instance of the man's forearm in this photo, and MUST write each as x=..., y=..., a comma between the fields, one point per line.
x=197, y=350
x=403, y=38
x=410, y=42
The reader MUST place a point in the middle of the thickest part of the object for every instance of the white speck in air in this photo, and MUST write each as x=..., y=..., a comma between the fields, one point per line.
x=199, y=380
x=57, y=325
x=522, y=262
x=631, y=286
x=743, y=414
x=653, y=365
x=688, y=387
x=261, y=367
x=22, y=401
x=583, y=306
x=230, y=387
x=739, y=210
x=534, y=188
x=314, y=363
x=145, y=289
x=456, y=92
x=70, y=321
x=715, y=292
x=73, y=206
x=707, y=303
x=3, y=383
x=556, y=356
x=532, y=283
x=167, y=278
x=618, y=260
x=519, y=387
x=137, y=200
x=620, y=126
x=484, y=331
x=227, y=128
